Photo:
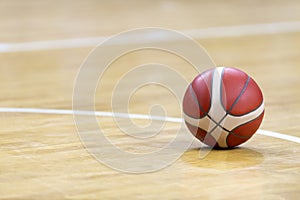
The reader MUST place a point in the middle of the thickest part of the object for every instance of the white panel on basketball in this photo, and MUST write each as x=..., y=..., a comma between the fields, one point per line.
x=231, y=122
x=203, y=123
x=220, y=136
x=216, y=110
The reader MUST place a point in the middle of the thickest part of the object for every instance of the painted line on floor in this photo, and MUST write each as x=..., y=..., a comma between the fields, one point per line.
x=133, y=116
x=202, y=33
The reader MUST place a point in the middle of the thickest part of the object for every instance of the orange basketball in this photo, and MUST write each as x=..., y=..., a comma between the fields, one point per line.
x=223, y=107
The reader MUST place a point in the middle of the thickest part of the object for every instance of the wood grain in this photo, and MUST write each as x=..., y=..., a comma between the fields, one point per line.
x=41, y=155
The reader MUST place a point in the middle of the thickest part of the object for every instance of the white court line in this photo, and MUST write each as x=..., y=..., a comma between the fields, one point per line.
x=279, y=135
x=133, y=116
x=212, y=32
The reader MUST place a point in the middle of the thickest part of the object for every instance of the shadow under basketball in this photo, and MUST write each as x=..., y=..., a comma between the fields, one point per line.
x=236, y=158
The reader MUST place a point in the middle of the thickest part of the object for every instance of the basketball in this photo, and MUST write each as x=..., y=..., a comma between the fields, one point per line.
x=223, y=107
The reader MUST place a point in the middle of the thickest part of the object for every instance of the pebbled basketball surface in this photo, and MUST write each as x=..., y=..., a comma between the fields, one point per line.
x=223, y=107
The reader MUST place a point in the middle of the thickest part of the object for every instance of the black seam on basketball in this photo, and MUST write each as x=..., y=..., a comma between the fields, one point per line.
x=219, y=123
x=232, y=131
x=207, y=133
x=228, y=146
x=214, y=128
x=201, y=138
x=196, y=99
x=217, y=143
x=212, y=119
x=227, y=140
x=239, y=136
x=202, y=117
x=241, y=93
x=195, y=126
x=193, y=117
x=225, y=129
x=249, y=111
x=200, y=107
